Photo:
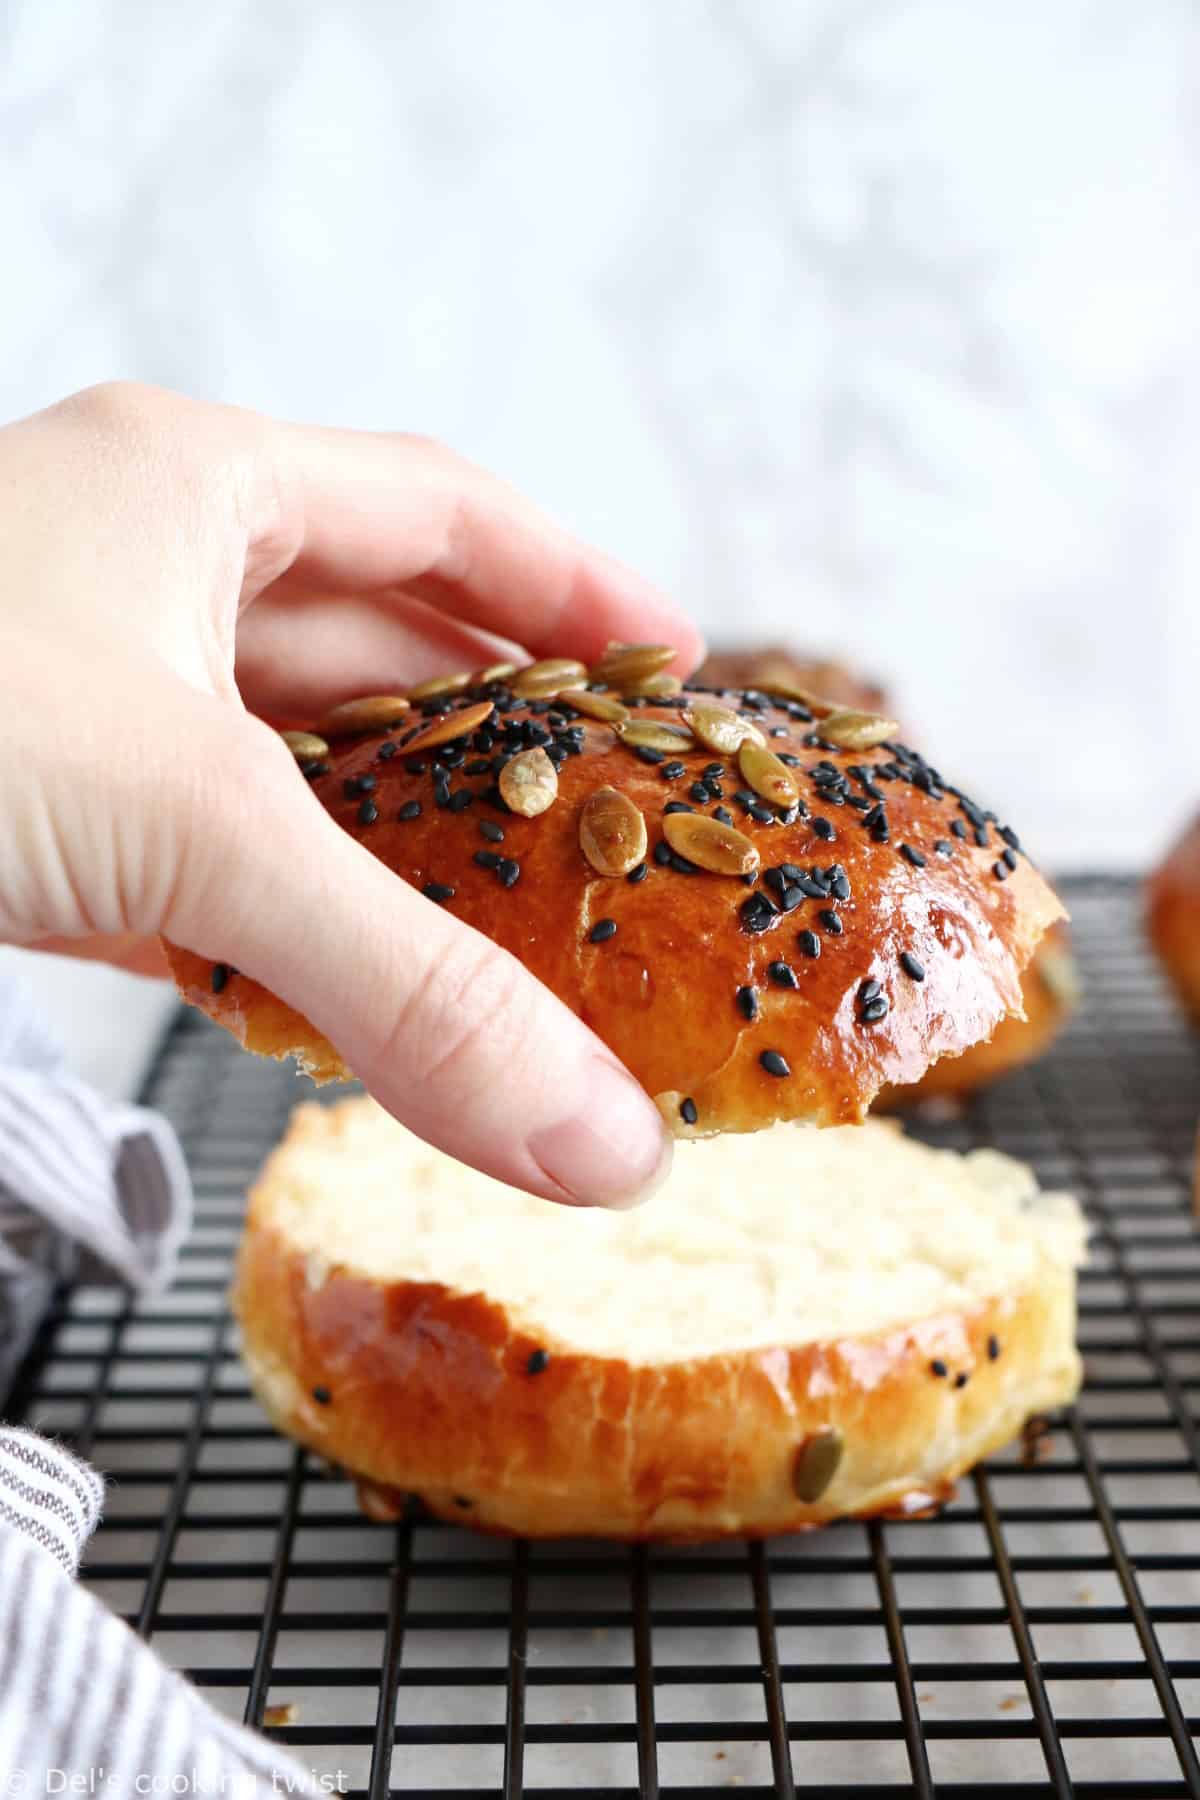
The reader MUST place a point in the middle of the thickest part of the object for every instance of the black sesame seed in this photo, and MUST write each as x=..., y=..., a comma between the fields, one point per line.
x=491, y=831
x=687, y=1112
x=437, y=890
x=358, y=784
x=747, y=1003
x=682, y=866
x=757, y=912
x=981, y=836
x=662, y=854
x=782, y=974
x=602, y=930
x=699, y=792
x=676, y=806
x=774, y=1064
x=1000, y=871
x=638, y=874
x=869, y=990
x=839, y=886
x=879, y=831
x=958, y=828
x=648, y=755
x=785, y=756
x=310, y=770
x=671, y=771
x=538, y=1362
x=322, y=1396
x=912, y=966
x=460, y=800
x=824, y=829
x=779, y=731
x=943, y=846
x=509, y=872
x=937, y=1367
x=368, y=812
x=762, y=813
x=487, y=859
x=713, y=771
x=809, y=943
x=791, y=898
x=723, y=813
x=410, y=810
x=874, y=1010
x=832, y=921
x=479, y=765
x=744, y=796
x=993, y=1347
x=961, y=1379
x=912, y=856
x=220, y=977
x=1008, y=859
x=1010, y=837
x=815, y=890
x=386, y=752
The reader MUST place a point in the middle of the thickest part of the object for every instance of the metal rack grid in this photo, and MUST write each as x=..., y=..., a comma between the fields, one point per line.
x=1040, y=1637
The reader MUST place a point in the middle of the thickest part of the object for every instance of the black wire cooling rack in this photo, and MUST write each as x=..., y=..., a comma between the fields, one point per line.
x=1040, y=1637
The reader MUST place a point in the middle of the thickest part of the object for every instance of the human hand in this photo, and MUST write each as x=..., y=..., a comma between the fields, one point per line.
x=174, y=569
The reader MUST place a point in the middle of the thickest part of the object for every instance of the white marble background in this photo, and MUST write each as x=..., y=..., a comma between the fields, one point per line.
x=868, y=324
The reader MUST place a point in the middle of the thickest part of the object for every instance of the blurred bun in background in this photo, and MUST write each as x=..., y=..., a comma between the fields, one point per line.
x=1173, y=917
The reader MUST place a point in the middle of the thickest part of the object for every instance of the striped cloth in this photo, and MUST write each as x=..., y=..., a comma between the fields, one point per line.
x=89, y=1191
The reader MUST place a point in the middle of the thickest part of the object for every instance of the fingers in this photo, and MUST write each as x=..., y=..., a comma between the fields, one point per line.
x=448, y=1031
x=357, y=511
x=297, y=657
x=127, y=950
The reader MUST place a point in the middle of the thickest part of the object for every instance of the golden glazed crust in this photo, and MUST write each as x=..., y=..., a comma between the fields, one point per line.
x=416, y=1388
x=662, y=991
x=1173, y=917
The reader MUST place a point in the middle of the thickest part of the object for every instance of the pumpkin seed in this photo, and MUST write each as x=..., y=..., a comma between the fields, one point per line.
x=655, y=734
x=770, y=778
x=374, y=712
x=651, y=687
x=721, y=730
x=305, y=746
x=851, y=730
x=624, y=665
x=541, y=679
x=612, y=832
x=449, y=725
x=599, y=706
x=817, y=1463
x=791, y=690
x=493, y=672
x=437, y=685
x=721, y=849
x=529, y=783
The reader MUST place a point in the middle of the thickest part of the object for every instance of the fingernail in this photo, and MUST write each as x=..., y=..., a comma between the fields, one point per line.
x=615, y=1152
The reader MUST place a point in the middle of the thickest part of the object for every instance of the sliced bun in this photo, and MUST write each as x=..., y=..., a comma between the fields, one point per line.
x=885, y=923
x=1173, y=917
x=798, y=1327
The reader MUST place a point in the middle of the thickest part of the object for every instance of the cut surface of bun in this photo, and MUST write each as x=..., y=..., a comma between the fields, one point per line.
x=798, y=1327
x=868, y=918
x=1173, y=917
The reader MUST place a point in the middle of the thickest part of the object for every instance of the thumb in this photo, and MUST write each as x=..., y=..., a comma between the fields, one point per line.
x=447, y=1030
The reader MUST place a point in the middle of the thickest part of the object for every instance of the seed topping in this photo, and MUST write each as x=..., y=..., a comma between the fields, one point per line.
x=655, y=734
x=774, y=1064
x=721, y=849
x=770, y=779
x=602, y=930
x=687, y=1111
x=599, y=706
x=851, y=730
x=374, y=712
x=529, y=783
x=817, y=1463
x=612, y=832
x=625, y=665
x=305, y=746
x=449, y=725
x=548, y=677
x=721, y=730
